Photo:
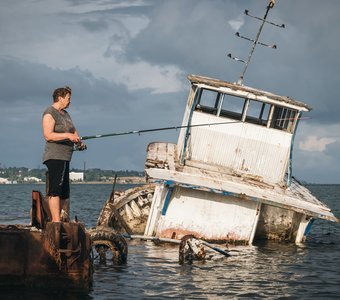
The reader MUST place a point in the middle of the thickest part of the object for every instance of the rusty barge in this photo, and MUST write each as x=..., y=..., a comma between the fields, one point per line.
x=229, y=177
x=58, y=255
x=45, y=254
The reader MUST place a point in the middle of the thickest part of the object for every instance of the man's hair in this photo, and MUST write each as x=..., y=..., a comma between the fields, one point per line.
x=62, y=92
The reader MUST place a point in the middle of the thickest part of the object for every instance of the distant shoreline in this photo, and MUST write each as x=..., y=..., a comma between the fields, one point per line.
x=120, y=180
x=105, y=182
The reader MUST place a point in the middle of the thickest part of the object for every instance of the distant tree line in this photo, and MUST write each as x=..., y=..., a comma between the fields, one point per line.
x=19, y=173
x=105, y=175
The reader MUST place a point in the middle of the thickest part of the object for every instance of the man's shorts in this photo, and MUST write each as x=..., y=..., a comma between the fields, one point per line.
x=58, y=178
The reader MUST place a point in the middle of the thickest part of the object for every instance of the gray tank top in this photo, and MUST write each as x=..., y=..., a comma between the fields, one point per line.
x=62, y=149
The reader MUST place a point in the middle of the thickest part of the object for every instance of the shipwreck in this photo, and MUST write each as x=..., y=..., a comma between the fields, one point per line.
x=229, y=176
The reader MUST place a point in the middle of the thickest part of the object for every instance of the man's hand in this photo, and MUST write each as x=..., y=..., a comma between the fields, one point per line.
x=74, y=137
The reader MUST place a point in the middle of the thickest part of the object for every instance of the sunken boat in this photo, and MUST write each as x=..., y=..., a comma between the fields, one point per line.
x=127, y=211
x=229, y=176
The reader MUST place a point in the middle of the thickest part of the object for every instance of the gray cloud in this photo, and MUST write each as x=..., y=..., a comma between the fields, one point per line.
x=94, y=26
x=97, y=107
x=179, y=28
x=333, y=149
x=195, y=35
x=24, y=79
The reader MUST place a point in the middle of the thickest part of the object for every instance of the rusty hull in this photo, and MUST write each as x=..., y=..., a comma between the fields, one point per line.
x=178, y=233
x=57, y=257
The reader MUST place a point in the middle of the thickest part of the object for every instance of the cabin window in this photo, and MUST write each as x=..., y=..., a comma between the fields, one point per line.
x=232, y=107
x=284, y=118
x=245, y=110
x=208, y=100
x=257, y=112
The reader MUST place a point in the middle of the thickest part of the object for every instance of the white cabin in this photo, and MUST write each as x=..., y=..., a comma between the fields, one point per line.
x=256, y=139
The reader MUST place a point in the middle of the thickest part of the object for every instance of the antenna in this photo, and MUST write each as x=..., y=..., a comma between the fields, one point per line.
x=256, y=40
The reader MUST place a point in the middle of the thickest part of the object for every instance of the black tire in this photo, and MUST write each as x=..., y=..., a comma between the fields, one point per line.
x=104, y=240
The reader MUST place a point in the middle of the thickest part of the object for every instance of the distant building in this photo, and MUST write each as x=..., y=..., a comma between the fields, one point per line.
x=32, y=179
x=4, y=181
x=77, y=176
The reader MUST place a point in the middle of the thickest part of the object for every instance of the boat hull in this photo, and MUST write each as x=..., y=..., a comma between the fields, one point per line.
x=208, y=216
x=180, y=211
x=173, y=212
x=128, y=211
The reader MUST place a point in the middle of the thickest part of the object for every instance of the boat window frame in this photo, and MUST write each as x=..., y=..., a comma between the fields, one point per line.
x=280, y=120
x=271, y=119
x=263, y=117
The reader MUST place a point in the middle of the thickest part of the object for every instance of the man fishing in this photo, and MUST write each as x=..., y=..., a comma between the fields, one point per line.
x=61, y=136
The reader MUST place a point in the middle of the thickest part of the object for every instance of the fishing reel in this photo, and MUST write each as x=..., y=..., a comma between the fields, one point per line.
x=79, y=146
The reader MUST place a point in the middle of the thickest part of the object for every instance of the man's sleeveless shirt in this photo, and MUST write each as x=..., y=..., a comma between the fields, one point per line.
x=62, y=149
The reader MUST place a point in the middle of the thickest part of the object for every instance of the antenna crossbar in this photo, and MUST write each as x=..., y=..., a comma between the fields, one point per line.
x=251, y=40
x=246, y=12
x=235, y=58
x=256, y=40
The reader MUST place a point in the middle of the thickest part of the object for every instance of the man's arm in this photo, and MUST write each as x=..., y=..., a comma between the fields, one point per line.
x=50, y=136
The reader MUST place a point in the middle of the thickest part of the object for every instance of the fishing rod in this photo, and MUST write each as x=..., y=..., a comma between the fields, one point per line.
x=88, y=137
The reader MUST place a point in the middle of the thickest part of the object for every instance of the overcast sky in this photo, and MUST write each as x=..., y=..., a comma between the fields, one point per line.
x=127, y=63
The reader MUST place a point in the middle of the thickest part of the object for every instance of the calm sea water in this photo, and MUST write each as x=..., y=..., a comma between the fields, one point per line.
x=269, y=270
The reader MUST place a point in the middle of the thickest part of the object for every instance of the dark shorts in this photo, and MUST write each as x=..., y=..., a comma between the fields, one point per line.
x=58, y=178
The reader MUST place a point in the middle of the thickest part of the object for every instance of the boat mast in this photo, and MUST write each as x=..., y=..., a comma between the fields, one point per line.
x=255, y=41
